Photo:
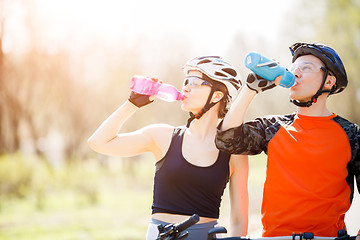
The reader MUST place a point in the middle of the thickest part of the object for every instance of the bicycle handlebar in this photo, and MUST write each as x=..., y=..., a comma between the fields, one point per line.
x=342, y=235
x=173, y=231
x=187, y=223
x=282, y=238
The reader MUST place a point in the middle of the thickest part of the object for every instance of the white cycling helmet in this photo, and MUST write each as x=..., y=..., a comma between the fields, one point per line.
x=217, y=69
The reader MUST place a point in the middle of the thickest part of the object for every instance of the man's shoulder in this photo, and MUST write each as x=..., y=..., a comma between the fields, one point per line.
x=352, y=131
x=346, y=124
x=277, y=119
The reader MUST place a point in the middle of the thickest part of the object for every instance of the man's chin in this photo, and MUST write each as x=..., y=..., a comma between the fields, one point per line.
x=298, y=99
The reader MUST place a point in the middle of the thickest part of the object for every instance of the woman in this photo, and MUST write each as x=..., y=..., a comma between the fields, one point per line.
x=191, y=174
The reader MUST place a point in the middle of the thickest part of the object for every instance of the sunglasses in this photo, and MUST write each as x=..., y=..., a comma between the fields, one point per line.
x=196, y=82
x=306, y=67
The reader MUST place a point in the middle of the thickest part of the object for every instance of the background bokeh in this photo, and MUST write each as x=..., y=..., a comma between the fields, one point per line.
x=66, y=65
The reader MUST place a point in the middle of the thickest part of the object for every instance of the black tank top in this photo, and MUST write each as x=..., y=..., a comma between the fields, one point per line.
x=183, y=188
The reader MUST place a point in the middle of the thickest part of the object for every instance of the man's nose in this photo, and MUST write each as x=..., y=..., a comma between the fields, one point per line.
x=297, y=72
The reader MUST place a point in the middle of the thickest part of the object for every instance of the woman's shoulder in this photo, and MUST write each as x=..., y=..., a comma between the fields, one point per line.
x=162, y=130
x=163, y=127
x=159, y=129
x=161, y=135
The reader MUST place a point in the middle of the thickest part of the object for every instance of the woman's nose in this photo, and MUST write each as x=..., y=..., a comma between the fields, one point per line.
x=186, y=88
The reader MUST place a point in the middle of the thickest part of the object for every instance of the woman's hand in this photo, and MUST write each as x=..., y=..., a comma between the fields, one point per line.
x=141, y=100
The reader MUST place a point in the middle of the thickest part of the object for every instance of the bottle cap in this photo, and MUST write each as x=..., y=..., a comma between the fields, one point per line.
x=180, y=97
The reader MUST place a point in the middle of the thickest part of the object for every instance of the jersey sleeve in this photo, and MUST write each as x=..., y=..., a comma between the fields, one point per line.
x=252, y=137
x=355, y=161
x=356, y=158
x=248, y=138
x=352, y=131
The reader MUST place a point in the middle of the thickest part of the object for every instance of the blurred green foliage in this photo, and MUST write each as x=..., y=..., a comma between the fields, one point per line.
x=82, y=200
x=20, y=176
x=102, y=198
x=30, y=176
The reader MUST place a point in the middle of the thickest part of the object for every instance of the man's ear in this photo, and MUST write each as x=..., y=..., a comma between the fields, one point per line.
x=217, y=96
x=330, y=82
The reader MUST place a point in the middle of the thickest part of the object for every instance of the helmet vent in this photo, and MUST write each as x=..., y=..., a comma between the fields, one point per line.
x=217, y=70
x=219, y=74
x=230, y=71
x=204, y=61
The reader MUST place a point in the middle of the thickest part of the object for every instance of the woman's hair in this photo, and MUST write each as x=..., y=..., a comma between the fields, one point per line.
x=225, y=100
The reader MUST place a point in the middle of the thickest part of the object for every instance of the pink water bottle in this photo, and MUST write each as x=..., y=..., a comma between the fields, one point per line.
x=147, y=86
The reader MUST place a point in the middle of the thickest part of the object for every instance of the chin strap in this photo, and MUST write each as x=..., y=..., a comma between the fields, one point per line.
x=206, y=108
x=315, y=97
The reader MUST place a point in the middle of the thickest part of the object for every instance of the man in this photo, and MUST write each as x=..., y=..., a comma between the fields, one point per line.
x=313, y=154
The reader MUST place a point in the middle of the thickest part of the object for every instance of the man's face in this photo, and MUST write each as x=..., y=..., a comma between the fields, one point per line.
x=309, y=77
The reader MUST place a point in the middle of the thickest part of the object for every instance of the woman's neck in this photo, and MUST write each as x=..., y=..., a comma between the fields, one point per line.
x=205, y=126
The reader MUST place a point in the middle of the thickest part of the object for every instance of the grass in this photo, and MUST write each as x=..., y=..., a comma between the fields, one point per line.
x=90, y=202
x=87, y=203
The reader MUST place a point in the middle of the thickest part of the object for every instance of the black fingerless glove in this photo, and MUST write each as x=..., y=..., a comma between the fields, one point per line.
x=259, y=84
x=139, y=100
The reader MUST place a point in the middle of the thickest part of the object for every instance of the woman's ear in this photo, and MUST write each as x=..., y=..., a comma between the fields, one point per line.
x=330, y=82
x=217, y=96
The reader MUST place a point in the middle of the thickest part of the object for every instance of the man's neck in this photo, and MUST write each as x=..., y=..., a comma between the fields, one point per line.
x=317, y=109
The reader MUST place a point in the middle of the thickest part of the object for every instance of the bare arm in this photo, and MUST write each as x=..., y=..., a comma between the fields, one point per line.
x=239, y=196
x=237, y=111
x=107, y=140
x=254, y=84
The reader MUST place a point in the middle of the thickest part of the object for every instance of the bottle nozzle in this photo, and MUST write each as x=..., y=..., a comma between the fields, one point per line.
x=180, y=97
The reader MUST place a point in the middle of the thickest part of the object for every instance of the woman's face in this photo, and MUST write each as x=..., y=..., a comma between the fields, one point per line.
x=196, y=92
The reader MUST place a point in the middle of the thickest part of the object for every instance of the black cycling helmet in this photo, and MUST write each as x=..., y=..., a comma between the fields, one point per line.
x=332, y=63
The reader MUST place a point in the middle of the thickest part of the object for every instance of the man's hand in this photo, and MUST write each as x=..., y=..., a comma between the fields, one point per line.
x=259, y=84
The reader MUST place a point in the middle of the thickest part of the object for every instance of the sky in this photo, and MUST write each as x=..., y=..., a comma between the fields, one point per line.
x=161, y=31
x=61, y=23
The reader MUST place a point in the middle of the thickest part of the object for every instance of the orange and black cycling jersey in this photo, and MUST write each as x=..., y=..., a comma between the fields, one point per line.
x=312, y=162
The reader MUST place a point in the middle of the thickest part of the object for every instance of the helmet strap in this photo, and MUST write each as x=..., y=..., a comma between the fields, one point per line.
x=206, y=108
x=315, y=97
